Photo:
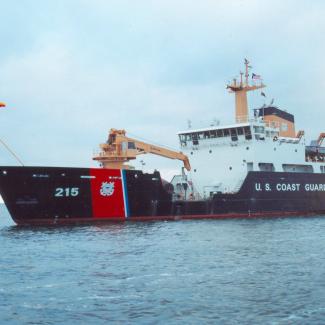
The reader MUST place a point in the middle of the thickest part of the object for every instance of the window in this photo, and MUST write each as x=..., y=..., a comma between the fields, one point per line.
x=240, y=131
x=266, y=167
x=250, y=166
x=131, y=145
x=182, y=139
x=195, y=138
x=233, y=134
x=248, y=134
x=284, y=127
x=291, y=168
x=219, y=133
x=247, y=129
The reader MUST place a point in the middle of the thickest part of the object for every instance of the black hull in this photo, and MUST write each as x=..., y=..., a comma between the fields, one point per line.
x=53, y=195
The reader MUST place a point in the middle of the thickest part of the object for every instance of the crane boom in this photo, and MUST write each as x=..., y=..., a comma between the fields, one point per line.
x=320, y=139
x=120, y=149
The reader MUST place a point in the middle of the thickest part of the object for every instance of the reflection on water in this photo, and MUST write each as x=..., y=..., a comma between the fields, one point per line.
x=262, y=271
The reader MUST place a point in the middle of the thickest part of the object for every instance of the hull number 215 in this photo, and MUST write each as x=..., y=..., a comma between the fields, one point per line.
x=66, y=191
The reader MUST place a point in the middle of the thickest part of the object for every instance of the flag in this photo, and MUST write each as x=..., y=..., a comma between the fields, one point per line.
x=246, y=61
x=256, y=76
x=2, y=104
x=263, y=94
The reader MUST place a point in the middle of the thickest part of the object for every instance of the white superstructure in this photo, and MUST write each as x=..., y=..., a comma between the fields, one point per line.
x=221, y=156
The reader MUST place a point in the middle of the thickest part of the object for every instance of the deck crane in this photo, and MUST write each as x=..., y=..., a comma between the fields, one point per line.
x=120, y=149
x=320, y=139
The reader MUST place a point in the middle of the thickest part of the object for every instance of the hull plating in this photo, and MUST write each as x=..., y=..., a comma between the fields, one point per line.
x=52, y=195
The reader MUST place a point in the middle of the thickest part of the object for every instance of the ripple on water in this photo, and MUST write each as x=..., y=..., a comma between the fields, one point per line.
x=263, y=271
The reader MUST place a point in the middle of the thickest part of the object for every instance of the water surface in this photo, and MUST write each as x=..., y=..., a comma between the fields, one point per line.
x=260, y=271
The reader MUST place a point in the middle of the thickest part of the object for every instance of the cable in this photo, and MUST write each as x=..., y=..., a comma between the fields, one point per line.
x=15, y=156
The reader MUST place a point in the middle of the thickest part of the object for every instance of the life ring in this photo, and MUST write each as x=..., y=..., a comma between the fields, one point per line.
x=275, y=138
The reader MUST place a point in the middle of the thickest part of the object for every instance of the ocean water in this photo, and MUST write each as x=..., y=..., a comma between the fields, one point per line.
x=260, y=271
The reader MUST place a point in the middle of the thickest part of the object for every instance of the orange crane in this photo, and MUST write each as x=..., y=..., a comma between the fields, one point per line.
x=120, y=149
x=320, y=139
x=300, y=134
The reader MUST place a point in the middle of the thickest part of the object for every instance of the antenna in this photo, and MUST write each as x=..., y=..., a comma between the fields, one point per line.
x=189, y=123
x=246, y=71
x=240, y=89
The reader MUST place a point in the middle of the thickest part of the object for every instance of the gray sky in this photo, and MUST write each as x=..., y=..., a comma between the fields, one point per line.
x=72, y=69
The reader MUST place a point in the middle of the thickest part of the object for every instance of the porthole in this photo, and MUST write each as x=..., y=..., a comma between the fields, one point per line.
x=274, y=149
x=191, y=152
x=210, y=151
x=296, y=150
x=247, y=148
x=194, y=170
x=230, y=168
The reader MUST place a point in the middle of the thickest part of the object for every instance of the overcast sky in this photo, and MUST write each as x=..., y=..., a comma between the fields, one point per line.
x=72, y=69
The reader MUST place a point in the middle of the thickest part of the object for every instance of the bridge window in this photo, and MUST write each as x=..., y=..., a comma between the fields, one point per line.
x=213, y=133
x=219, y=133
x=206, y=135
x=234, y=136
x=240, y=131
x=248, y=133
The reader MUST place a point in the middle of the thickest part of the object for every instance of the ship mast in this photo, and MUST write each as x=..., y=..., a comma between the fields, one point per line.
x=240, y=88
